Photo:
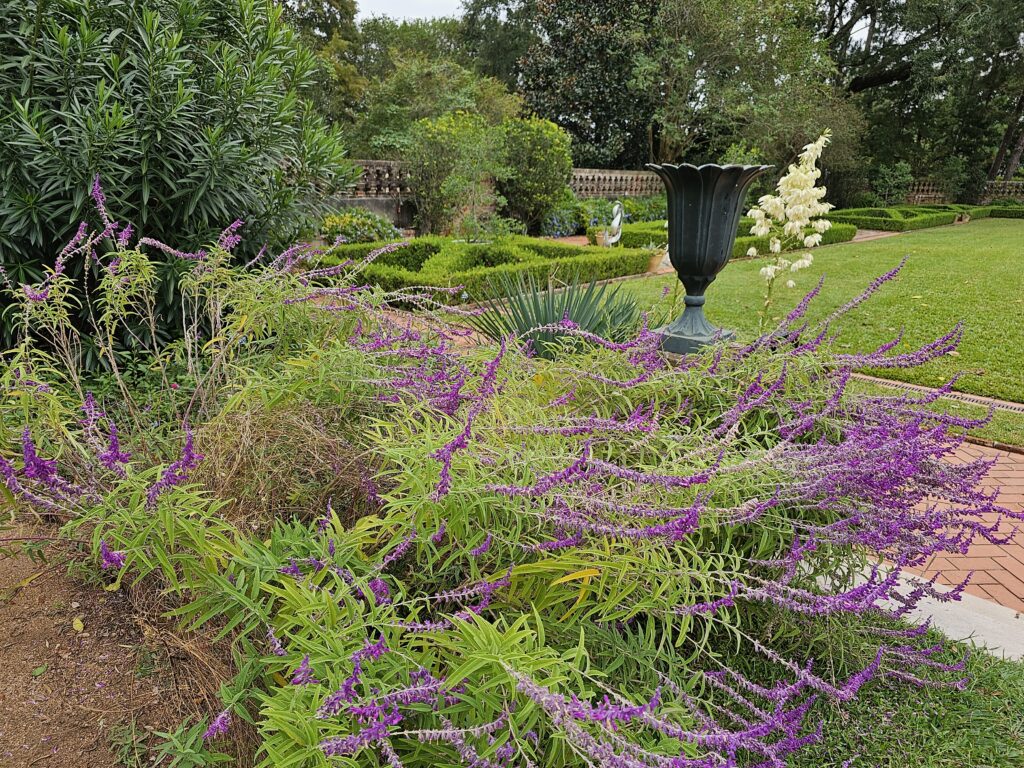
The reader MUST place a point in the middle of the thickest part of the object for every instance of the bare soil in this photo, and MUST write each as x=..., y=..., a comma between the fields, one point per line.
x=82, y=678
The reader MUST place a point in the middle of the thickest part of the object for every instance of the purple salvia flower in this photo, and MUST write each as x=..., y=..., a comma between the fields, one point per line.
x=113, y=457
x=396, y=554
x=275, y=645
x=219, y=727
x=177, y=472
x=228, y=238
x=110, y=559
x=438, y=535
x=482, y=548
x=302, y=674
x=381, y=593
x=187, y=256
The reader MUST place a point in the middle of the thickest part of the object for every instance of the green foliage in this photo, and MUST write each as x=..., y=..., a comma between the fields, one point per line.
x=479, y=267
x=573, y=217
x=359, y=225
x=191, y=114
x=497, y=34
x=567, y=218
x=328, y=27
x=384, y=42
x=655, y=234
x=638, y=209
x=1008, y=212
x=732, y=74
x=939, y=89
x=184, y=748
x=454, y=162
x=539, y=167
x=190, y=118
x=520, y=306
x=417, y=88
x=579, y=73
x=902, y=219
x=892, y=182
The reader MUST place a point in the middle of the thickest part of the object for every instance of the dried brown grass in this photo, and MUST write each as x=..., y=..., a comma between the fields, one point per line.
x=283, y=462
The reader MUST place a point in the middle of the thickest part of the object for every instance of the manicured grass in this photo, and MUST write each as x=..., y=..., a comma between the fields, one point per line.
x=1004, y=427
x=971, y=272
x=890, y=725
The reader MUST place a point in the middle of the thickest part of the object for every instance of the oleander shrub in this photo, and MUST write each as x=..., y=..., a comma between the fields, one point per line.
x=192, y=114
x=539, y=165
x=547, y=561
x=359, y=225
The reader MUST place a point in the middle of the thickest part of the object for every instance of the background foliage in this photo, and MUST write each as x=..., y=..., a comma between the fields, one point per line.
x=192, y=114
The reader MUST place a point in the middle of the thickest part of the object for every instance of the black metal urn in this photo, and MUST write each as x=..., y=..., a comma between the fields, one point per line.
x=704, y=208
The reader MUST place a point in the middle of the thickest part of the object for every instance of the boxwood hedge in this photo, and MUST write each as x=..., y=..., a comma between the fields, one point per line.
x=443, y=262
x=1008, y=212
x=654, y=233
x=898, y=219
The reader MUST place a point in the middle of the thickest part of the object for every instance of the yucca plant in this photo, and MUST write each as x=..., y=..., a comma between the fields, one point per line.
x=533, y=312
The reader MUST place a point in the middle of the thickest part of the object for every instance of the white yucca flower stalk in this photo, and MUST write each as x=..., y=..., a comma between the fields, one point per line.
x=792, y=219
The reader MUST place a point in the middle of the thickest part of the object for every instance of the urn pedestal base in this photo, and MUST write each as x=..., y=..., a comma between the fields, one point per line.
x=691, y=331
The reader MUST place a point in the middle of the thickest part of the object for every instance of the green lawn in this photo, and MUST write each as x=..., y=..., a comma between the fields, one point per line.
x=891, y=725
x=972, y=272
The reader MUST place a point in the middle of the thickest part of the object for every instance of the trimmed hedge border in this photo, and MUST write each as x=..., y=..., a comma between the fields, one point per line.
x=442, y=262
x=1008, y=212
x=654, y=233
x=894, y=219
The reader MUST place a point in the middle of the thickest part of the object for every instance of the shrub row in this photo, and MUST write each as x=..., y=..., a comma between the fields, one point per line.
x=899, y=219
x=654, y=233
x=478, y=267
x=1008, y=212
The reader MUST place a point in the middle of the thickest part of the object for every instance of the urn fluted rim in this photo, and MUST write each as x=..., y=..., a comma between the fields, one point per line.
x=667, y=171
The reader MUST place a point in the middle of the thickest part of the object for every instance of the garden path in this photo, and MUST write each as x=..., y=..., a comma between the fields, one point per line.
x=998, y=569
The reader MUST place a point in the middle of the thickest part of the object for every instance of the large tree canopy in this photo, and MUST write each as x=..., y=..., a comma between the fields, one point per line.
x=580, y=74
x=938, y=84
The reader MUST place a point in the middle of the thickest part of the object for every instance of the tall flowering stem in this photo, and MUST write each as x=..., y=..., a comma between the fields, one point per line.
x=791, y=219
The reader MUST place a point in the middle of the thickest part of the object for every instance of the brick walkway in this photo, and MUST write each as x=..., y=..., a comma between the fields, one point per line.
x=998, y=570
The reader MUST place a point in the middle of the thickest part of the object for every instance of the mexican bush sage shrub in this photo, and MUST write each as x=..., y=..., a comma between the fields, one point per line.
x=554, y=554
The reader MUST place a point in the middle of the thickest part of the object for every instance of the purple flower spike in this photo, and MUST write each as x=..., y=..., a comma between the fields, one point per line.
x=438, y=536
x=275, y=645
x=219, y=727
x=302, y=674
x=110, y=559
x=380, y=591
x=484, y=546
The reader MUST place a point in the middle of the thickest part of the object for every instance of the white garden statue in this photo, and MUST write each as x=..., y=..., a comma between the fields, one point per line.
x=613, y=233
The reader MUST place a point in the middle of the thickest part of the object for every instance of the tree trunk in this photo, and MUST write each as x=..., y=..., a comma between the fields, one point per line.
x=1014, y=162
x=1013, y=126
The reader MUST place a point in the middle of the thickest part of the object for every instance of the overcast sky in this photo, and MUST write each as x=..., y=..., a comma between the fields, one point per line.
x=408, y=9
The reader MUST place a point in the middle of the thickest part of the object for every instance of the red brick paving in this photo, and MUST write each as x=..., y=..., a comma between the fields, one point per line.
x=998, y=569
